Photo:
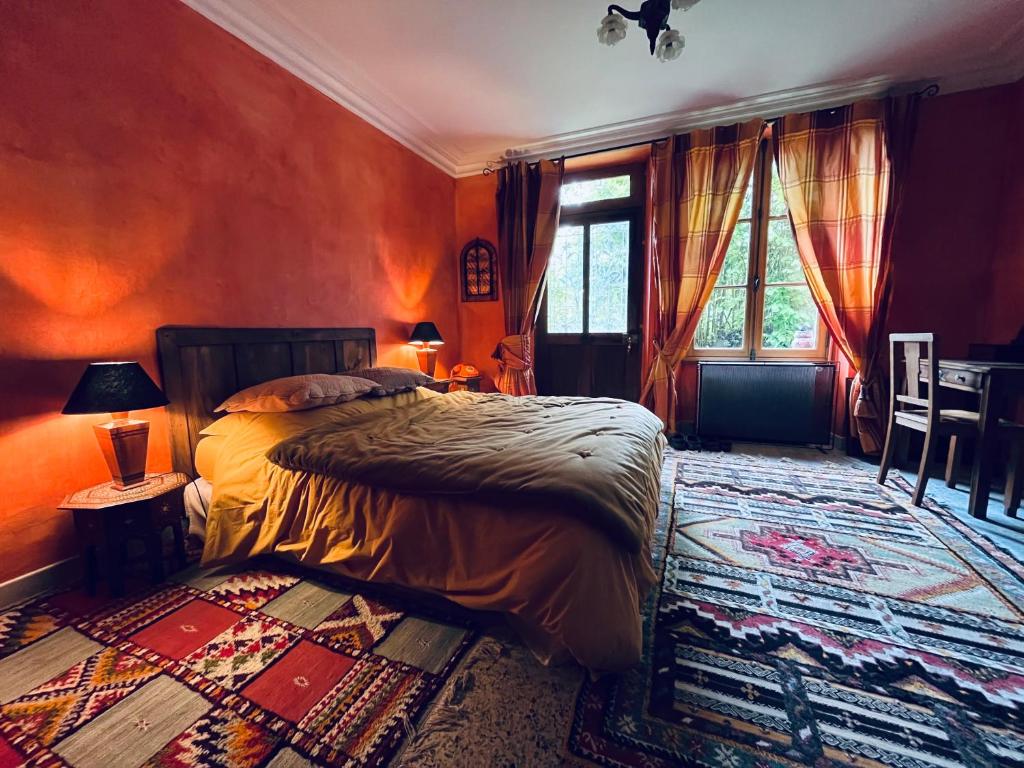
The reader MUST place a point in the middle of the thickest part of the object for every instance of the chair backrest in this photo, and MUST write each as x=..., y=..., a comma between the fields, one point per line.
x=916, y=347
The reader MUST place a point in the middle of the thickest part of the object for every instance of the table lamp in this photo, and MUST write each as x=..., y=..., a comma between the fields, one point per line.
x=117, y=388
x=425, y=337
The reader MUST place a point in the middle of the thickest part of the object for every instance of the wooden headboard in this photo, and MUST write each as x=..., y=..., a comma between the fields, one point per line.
x=201, y=367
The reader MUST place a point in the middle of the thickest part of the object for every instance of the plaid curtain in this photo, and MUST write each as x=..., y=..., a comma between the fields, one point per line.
x=697, y=187
x=528, y=210
x=869, y=397
x=836, y=168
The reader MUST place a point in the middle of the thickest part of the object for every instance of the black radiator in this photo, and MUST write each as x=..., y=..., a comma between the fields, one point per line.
x=766, y=402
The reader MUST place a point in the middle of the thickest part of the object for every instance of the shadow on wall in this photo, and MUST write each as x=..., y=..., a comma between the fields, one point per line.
x=43, y=386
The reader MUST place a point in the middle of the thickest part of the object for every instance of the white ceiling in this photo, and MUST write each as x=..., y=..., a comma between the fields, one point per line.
x=462, y=82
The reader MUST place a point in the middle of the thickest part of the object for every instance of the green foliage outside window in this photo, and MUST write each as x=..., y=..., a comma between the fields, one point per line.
x=790, y=318
x=565, y=282
x=592, y=190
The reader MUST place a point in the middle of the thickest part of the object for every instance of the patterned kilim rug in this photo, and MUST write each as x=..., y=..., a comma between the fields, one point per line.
x=808, y=616
x=253, y=668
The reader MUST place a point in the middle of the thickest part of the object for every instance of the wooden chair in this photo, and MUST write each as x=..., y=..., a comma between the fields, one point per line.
x=908, y=409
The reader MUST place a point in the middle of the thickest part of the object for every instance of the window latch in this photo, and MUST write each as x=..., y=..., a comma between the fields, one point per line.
x=757, y=283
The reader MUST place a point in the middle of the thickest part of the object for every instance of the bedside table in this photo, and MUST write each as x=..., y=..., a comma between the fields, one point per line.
x=106, y=518
x=439, y=385
x=465, y=384
x=457, y=384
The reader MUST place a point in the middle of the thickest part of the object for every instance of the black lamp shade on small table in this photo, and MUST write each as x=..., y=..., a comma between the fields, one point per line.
x=118, y=388
x=114, y=388
x=425, y=336
x=425, y=333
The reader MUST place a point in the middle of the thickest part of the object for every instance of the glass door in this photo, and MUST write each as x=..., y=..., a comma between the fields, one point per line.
x=588, y=331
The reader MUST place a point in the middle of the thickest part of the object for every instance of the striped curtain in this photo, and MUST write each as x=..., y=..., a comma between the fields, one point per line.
x=528, y=210
x=836, y=171
x=697, y=186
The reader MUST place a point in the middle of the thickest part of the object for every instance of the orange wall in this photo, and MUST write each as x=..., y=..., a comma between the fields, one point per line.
x=483, y=322
x=154, y=170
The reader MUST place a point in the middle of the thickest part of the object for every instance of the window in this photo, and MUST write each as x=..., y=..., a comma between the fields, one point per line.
x=761, y=307
x=565, y=282
x=594, y=256
x=594, y=190
x=608, y=245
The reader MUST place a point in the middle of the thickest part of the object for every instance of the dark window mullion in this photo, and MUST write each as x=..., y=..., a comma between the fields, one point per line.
x=759, y=247
x=586, y=280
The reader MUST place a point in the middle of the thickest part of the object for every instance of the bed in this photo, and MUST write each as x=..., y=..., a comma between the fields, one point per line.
x=568, y=586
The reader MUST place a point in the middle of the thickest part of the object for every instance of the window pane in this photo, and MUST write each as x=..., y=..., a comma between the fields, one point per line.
x=721, y=324
x=748, y=200
x=778, y=202
x=592, y=190
x=565, y=282
x=790, y=318
x=737, y=257
x=783, y=259
x=609, y=277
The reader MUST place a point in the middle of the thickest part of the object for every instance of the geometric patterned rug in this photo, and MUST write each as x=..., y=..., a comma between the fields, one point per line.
x=267, y=666
x=808, y=616
x=805, y=616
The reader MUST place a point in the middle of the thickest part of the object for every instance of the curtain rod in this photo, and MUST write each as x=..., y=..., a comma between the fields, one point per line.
x=489, y=170
x=614, y=149
x=930, y=90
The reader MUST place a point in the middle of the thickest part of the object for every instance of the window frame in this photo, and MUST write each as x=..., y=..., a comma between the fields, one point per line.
x=636, y=173
x=757, y=270
x=629, y=209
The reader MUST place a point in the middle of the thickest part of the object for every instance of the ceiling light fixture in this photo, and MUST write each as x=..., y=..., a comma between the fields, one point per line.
x=653, y=17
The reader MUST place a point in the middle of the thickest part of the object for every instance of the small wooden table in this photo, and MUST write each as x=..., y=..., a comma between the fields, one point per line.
x=996, y=383
x=455, y=384
x=465, y=384
x=439, y=385
x=105, y=518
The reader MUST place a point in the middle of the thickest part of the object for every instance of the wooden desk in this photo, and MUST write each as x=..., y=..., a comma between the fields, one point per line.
x=995, y=383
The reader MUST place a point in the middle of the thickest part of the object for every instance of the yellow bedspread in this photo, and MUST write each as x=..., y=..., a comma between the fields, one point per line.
x=566, y=587
x=591, y=457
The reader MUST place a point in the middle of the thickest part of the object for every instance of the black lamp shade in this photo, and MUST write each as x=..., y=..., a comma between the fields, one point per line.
x=426, y=333
x=114, y=388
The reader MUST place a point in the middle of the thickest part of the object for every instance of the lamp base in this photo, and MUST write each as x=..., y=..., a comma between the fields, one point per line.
x=427, y=358
x=124, y=443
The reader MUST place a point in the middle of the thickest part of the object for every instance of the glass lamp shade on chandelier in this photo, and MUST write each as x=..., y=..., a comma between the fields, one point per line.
x=666, y=43
x=426, y=338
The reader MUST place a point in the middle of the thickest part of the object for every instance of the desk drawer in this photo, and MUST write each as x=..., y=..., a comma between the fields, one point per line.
x=956, y=377
x=961, y=378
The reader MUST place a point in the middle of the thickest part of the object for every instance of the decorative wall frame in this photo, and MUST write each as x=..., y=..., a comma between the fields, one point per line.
x=479, y=271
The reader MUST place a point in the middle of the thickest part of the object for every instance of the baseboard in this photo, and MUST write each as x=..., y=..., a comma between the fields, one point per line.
x=839, y=442
x=63, y=573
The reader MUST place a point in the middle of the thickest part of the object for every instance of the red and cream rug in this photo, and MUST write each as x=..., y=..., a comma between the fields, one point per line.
x=253, y=668
x=807, y=616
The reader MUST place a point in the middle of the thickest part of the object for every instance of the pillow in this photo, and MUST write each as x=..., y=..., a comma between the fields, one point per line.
x=299, y=393
x=394, y=380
